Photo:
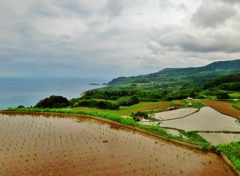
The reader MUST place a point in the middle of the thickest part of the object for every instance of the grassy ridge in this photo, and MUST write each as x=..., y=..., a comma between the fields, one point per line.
x=232, y=151
x=236, y=106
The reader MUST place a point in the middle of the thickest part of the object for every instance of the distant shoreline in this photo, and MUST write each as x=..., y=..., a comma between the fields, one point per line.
x=28, y=91
x=94, y=84
x=97, y=84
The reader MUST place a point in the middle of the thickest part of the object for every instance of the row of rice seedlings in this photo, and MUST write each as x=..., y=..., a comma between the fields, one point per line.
x=85, y=144
x=20, y=130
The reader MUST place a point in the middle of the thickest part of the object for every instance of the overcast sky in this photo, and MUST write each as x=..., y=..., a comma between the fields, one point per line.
x=112, y=38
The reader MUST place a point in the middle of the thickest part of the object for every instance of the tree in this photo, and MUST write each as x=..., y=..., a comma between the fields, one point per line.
x=133, y=100
x=139, y=115
x=222, y=95
x=53, y=102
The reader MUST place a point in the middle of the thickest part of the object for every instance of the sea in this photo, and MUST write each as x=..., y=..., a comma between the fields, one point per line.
x=28, y=91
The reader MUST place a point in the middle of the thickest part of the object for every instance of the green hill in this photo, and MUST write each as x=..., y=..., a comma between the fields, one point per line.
x=226, y=82
x=180, y=77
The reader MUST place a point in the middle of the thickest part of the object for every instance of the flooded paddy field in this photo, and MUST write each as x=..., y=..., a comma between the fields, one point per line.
x=211, y=124
x=174, y=113
x=60, y=145
x=223, y=107
x=207, y=119
x=220, y=138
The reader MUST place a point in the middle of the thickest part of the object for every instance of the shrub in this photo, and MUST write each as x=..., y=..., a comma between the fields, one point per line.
x=73, y=101
x=20, y=106
x=139, y=115
x=232, y=152
x=83, y=103
x=53, y=102
x=222, y=95
x=128, y=101
x=102, y=104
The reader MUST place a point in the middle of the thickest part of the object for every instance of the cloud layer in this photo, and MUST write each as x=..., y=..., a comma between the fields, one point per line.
x=111, y=38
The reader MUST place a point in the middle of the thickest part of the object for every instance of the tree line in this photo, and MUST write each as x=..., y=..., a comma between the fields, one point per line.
x=113, y=97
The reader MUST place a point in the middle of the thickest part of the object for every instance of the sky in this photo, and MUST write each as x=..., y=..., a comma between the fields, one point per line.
x=112, y=38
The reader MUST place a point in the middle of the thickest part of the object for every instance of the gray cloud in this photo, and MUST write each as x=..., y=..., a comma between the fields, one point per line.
x=173, y=36
x=231, y=1
x=114, y=8
x=182, y=6
x=164, y=4
x=213, y=13
x=25, y=29
x=43, y=9
x=116, y=38
x=77, y=8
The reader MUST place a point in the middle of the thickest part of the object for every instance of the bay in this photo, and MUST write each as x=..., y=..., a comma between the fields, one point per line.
x=28, y=91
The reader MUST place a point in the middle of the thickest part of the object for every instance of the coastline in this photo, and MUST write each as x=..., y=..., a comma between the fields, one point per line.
x=28, y=91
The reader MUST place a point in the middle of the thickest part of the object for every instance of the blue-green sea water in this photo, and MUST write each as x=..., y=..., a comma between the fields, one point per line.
x=28, y=91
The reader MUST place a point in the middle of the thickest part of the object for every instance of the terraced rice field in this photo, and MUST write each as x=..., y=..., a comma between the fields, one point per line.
x=207, y=119
x=60, y=145
x=210, y=123
x=218, y=138
x=174, y=113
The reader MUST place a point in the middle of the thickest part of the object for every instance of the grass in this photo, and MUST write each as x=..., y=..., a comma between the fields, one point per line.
x=184, y=103
x=234, y=94
x=232, y=152
x=236, y=106
x=198, y=104
x=143, y=106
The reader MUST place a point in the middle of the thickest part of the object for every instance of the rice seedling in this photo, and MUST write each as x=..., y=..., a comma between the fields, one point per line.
x=78, y=147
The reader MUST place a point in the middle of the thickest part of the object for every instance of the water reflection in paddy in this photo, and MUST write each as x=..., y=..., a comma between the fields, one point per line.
x=206, y=119
x=174, y=113
x=220, y=138
x=36, y=145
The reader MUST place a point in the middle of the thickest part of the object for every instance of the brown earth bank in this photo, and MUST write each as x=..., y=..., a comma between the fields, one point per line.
x=156, y=106
x=43, y=144
x=164, y=105
x=178, y=102
x=153, y=106
x=223, y=107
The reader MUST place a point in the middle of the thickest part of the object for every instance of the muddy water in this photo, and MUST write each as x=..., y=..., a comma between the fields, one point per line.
x=206, y=119
x=174, y=113
x=220, y=138
x=38, y=145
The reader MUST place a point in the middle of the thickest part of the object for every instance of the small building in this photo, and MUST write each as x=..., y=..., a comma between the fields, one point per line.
x=189, y=98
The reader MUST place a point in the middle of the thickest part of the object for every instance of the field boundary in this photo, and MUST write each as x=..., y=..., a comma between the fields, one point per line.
x=229, y=163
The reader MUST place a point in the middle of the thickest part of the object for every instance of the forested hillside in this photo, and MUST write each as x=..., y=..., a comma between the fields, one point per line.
x=180, y=77
x=228, y=82
x=111, y=97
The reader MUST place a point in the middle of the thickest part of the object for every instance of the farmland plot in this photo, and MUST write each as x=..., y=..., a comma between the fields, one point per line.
x=174, y=113
x=220, y=138
x=223, y=107
x=207, y=119
x=39, y=145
